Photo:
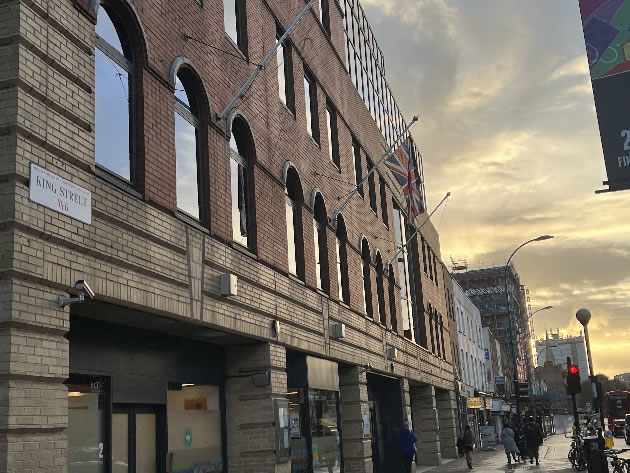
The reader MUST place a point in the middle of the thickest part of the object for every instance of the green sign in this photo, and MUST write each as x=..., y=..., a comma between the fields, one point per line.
x=188, y=438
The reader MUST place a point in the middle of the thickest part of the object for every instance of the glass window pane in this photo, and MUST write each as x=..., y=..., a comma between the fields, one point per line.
x=325, y=431
x=229, y=17
x=146, y=438
x=290, y=210
x=105, y=29
x=112, y=116
x=186, y=166
x=339, y=269
x=281, y=79
x=330, y=134
x=194, y=429
x=239, y=202
x=180, y=93
x=86, y=429
x=120, y=443
x=318, y=256
x=298, y=431
x=307, y=105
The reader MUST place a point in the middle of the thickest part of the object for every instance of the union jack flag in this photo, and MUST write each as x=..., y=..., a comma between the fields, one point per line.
x=404, y=170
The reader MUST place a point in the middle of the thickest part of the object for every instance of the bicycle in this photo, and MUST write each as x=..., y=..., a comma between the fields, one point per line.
x=577, y=454
x=619, y=465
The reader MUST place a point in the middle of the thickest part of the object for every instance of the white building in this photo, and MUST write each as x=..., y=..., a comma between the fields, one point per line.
x=556, y=347
x=469, y=331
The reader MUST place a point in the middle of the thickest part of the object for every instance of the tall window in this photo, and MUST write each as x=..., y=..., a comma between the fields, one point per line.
x=371, y=186
x=430, y=312
x=333, y=138
x=382, y=188
x=424, y=256
x=435, y=270
x=187, y=145
x=380, y=290
x=241, y=184
x=235, y=21
x=285, y=74
x=358, y=169
x=310, y=102
x=430, y=260
x=403, y=273
x=115, y=96
x=324, y=15
x=320, y=221
x=293, y=205
x=342, y=261
x=391, y=290
x=367, y=284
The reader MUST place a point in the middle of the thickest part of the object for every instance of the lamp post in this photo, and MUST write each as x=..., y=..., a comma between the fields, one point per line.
x=512, y=336
x=584, y=317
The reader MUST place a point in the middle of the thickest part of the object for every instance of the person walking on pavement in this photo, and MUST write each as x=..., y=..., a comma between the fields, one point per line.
x=407, y=441
x=511, y=450
x=533, y=439
x=460, y=444
x=469, y=442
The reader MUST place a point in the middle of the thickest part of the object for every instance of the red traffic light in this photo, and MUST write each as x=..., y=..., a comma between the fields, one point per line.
x=573, y=369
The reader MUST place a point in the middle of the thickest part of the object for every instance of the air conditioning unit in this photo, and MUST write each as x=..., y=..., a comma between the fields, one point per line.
x=392, y=353
x=338, y=330
x=229, y=284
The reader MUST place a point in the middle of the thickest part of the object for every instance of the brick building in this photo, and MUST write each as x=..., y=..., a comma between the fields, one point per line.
x=232, y=327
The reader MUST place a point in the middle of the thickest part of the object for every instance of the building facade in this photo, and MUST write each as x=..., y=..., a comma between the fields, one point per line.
x=624, y=378
x=230, y=325
x=556, y=347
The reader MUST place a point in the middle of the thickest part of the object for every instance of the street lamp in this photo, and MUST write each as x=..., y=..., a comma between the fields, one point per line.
x=512, y=337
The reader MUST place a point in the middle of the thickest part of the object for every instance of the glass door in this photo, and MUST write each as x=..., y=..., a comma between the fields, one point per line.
x=135, y=445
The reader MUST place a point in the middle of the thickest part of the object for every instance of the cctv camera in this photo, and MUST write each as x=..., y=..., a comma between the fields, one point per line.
x=84, y=289
x=368, y=367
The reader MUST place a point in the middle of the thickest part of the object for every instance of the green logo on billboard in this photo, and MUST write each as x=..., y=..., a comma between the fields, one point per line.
x=188, y=438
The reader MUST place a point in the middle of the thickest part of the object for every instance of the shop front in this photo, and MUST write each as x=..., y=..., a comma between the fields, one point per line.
x=140, y=401
x=314, y=414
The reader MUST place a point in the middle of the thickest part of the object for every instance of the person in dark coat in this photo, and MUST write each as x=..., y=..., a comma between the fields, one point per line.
x=460, y=444
x=407, y=441
x=509, y=444
x=533, y=439
x=469, y=443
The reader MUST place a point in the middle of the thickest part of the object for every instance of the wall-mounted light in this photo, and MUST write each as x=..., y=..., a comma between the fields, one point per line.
x=84, y=292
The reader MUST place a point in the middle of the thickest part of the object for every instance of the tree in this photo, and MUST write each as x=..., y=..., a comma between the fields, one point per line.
x=607, y=385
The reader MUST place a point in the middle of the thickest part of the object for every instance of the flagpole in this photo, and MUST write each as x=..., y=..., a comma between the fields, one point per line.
x=260, y=66
x=333, y=217
x=412, y=236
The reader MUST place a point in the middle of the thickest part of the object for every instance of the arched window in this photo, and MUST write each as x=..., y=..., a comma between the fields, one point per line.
x=188, y=150
x=392, y=298
x=320, y=221
x=114, y=95
x=293, y=204
x=242, y=158
x=380, y=289
x=342, y=260
x=365, y=268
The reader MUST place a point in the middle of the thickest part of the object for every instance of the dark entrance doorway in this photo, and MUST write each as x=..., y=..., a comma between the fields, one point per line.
x=386, y=419
x=136, y=445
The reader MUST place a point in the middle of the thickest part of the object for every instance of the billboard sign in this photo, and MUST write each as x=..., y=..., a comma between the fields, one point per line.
x=606, y=25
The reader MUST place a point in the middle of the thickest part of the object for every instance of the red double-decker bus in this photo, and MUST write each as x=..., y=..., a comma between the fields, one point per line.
x=617, y=406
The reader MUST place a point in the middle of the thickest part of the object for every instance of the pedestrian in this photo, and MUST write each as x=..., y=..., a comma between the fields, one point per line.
x=509, y=444
x=533, y=439
x=469, y=442
x=407, y=441
x=460, y=444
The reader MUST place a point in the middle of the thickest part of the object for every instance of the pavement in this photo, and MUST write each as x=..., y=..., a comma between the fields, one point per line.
x=553, y=457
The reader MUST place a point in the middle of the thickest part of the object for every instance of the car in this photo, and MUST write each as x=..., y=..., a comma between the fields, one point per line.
x=626, y=429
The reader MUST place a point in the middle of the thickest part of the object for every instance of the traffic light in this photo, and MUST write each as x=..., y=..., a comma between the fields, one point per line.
x=523, y=392
x=573, y=380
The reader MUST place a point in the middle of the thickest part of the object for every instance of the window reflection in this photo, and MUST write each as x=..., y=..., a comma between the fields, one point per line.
x=239, y=201
x=230, y=18
x=403, y=275
x=291, y=212
x=308, y=106
x=326, y=439
x=281, y=76
x=186, y=166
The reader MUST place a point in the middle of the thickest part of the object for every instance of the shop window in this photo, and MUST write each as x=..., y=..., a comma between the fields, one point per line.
x=235, y=21
x=194, y=428
x=114, y=96
x=285, y=73
x=188, y=152
x=293, y=205
x=342, y=260
x=333, y=138
x=384, y=215
x=87, y=424
x=325, y=435
x=242, y=157
x=358, y=169
x=367, y=285
x=380, y=289
x=371, y=185
x=320, y=222
x=310, y=104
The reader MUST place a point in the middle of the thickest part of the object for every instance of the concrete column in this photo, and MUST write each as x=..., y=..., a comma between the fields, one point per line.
x=426, y=425
x=357, y=448
x=447, y=416
x=250, y=416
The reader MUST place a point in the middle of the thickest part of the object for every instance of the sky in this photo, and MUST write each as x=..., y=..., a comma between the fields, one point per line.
x=508, y=126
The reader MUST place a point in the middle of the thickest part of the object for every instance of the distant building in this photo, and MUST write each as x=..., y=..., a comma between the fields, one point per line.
x=624, y=378
x=499, y=369
x=556, y=347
